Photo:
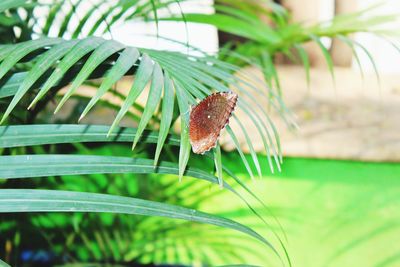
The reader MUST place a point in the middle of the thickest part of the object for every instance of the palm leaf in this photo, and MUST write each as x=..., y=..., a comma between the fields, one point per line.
x=3, y=264
x=86, y=18
x=237, y=145
x=98, y=56
x=10, y=86
x=53, y=12
x=18, y=136
x=48, y=165
x=94, y=16
x=5, y=51
x=195, y=83
x=31, y=135
x=184, y=150
x=251, y=148
x=250, y=111
x=166, y=115
x=218, y=165
x=326, y=55
x=25, y=200
x=21, y=51
x=8, y=4
x=68, y=17
x=46, y=61
x=203, y=78
x=81, y=49
x=124, y=62
x=153, y=100
x=143, y=76
x=233, y=25
x=305, y=60
x=125, y=8
x=102, y=19
x=370, y=57
x=270, y=72
x=348, y=42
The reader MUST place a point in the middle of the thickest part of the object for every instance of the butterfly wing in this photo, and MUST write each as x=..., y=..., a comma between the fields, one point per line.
x=208, y=118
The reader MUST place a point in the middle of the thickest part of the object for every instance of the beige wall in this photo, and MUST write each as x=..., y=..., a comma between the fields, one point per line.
x=314, y=11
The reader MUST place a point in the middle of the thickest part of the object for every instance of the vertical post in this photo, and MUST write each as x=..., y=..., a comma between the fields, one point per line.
x=342, y=54
x=307, y=13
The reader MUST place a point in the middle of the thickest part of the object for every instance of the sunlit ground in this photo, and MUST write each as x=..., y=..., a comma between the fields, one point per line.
x=334, y=213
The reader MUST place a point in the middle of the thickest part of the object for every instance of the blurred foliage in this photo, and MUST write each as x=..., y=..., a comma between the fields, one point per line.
x=264, y=30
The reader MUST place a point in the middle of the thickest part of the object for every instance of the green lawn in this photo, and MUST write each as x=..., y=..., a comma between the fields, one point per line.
x=335, y=213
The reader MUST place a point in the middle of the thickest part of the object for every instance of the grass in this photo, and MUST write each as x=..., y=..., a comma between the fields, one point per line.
x=335, y=213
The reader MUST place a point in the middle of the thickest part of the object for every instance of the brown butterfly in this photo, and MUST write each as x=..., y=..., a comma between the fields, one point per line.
x=208, y=118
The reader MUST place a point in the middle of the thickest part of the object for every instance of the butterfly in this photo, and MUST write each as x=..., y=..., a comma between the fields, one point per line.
x=208, y=118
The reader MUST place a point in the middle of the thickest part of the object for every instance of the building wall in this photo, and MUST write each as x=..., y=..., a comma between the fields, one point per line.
x=387, y=58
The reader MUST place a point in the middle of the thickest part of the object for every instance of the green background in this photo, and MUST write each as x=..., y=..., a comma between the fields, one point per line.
x=334, y=213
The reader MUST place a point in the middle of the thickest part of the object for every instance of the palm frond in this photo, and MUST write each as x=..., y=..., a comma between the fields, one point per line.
x=194, y=83
x=124, y=63
x=48, y=165
x=218, y=164
x=31, y=135
x=45, y=62
x=99, y=55
x=327, y=56
x=203, y=77
x=3, y=264
x=95, y=20
x=305, y=60
x=23, y=200
x=357, y=58
x=143, y=76
x=370, y=57
x=184, y=150
x=81, y=49
x=22, y=50
x=142, y=10
x=166, y=115
x=29, y=166
x=153, y=100
x=9, y=4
